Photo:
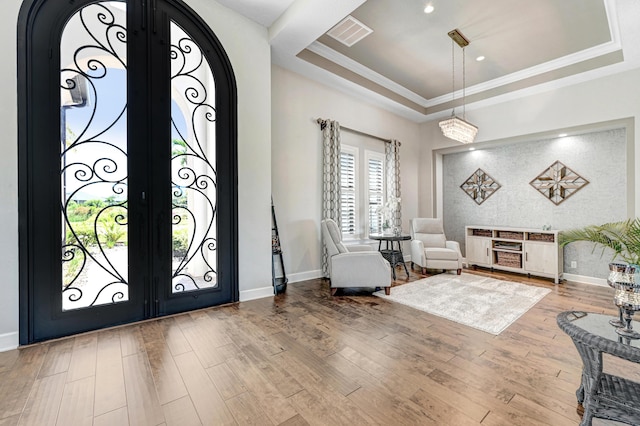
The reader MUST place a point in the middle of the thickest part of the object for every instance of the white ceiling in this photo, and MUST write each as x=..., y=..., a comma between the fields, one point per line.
x=405, y=65
x=264, y=12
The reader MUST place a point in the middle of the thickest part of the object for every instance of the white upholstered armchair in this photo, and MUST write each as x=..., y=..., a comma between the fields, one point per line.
x=355, y=266
x=430, y=248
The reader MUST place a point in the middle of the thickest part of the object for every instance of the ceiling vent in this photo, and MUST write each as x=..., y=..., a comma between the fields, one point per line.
x=349, y=31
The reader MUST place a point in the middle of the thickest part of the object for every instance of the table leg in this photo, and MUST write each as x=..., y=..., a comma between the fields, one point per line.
x=393, y=266
x=402, y=258
x=580, y=398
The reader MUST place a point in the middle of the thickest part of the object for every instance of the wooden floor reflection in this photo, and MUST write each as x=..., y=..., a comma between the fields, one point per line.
x=304, y=357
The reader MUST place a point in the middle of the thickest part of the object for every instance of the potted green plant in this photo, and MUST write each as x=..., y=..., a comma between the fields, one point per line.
x=622, y=237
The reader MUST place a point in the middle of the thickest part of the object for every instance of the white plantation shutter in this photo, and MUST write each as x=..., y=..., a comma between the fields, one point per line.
x=349, y=191
x=375, y=190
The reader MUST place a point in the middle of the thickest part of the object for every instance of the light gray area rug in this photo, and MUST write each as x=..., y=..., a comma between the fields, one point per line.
x=484, y=303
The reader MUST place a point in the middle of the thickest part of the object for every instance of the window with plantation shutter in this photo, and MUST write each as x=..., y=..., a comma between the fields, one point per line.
x=375, y=190
x=349, y=190
x=362, y=191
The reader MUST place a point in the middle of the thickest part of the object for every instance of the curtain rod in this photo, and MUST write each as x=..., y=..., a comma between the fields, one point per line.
x=321, y=121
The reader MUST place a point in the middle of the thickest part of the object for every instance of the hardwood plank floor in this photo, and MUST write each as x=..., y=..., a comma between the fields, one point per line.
x=307, y=358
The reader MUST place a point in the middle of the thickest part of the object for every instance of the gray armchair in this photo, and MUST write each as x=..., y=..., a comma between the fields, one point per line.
x=430, y=248
x=355, y=266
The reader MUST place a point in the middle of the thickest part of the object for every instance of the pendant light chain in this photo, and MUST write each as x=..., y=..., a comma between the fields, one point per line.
x=453, y=79
x=464, y=85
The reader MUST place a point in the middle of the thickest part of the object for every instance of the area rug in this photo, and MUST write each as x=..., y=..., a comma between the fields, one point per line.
x=484, y=303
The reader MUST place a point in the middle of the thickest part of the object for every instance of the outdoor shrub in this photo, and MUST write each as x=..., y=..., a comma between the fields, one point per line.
x=78, y=212
x=180, y=242
x=110, y=230
x=84, y=232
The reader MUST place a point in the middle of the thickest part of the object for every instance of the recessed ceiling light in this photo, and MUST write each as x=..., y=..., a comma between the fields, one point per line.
x=472, y=149
x=429, y=8
x=562, y=135
x=480, y=58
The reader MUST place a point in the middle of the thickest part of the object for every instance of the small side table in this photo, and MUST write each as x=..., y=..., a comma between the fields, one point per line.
x=393, y=255
x=601, y=394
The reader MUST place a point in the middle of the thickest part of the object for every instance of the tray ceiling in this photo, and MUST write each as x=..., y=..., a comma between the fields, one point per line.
x=405, y=64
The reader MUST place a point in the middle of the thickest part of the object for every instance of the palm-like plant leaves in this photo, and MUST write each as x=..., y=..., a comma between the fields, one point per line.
x=622, y=237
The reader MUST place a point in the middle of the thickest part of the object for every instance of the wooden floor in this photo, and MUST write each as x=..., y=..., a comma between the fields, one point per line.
x=305, y=357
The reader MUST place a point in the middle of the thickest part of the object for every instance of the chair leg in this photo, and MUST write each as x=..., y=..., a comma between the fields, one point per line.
x=459, y=271
x=587, y=417
x=387, y=290
x=412, y=266
x=334, y=290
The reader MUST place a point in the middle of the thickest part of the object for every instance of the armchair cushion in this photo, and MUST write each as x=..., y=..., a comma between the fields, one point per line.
x=432, y=240
x=358, y=247
x=332, y=237
x=438, y=253
x=336, y=236
x=429, y=231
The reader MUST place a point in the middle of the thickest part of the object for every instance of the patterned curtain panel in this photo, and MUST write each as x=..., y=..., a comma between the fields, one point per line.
x=392, y=156
x=331, y=179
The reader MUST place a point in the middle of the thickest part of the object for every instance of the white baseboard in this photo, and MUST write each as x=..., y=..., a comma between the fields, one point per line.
x=303, y=276
x=256, y=293
x=9, y=341
x=586, y=280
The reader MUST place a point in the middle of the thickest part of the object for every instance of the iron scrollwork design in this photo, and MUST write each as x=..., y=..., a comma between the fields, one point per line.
x=194, y=214
x=93, y=158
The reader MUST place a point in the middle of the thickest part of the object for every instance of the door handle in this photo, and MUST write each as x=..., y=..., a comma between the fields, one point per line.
x=144, y=14
x=159, y=233
x=154, y=8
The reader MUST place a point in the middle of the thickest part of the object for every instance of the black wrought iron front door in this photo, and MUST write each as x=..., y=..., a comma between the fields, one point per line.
x=127, y=173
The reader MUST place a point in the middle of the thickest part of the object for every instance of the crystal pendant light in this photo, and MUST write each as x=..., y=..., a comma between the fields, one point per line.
x=457, y=128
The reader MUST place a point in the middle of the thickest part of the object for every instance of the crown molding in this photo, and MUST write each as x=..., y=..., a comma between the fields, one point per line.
x=365, y=72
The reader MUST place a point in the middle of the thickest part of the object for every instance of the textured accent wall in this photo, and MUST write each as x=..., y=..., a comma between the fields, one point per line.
x=599, y=157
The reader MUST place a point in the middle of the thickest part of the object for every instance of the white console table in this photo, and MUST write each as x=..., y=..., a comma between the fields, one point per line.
x=522, y=250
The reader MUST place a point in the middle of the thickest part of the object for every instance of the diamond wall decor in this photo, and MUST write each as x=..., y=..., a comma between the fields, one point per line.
x=480, y=186
x=558, y=183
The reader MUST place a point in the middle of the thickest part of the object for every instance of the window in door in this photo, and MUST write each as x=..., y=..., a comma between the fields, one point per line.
x=94, y=157
x=193, y=175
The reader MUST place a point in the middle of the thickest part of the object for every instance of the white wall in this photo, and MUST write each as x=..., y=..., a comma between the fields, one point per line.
x=9, y=177
x=247, y=45
x=297, y=161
